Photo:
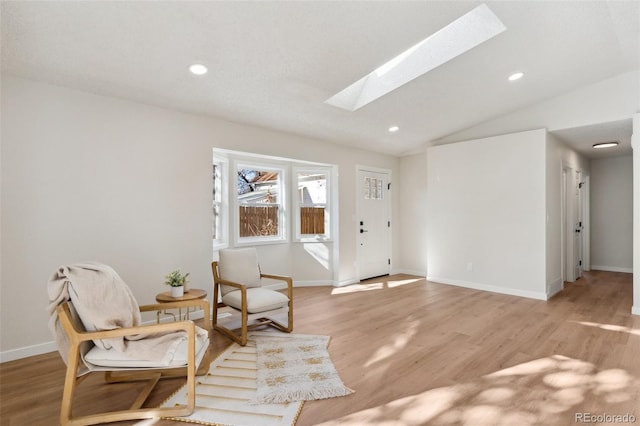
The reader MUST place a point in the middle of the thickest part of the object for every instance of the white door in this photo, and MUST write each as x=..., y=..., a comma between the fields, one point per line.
x=572, y=225
x=578, y=227
x=373, y=223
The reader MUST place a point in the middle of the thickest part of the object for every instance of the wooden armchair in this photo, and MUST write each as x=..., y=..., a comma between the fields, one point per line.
x=97, y=325
x=238, y=277
x=125, y=370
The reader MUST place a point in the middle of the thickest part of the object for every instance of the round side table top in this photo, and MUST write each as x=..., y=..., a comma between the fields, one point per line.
x=194, y=293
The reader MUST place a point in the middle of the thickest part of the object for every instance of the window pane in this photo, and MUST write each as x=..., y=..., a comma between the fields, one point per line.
x=216, y=222
x=311, y=220
x=217, y=182
x=258, y=200
x=312, y=188
x=256, y=221
x=257, y=186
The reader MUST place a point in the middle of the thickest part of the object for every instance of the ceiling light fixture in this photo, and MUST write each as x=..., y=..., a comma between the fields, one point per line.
x=605, y=145
x=198, y=69
x=394, y=129
x=460, y=36
x=516, y=76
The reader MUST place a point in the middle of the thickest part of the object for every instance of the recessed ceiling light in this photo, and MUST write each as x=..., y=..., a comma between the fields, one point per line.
x=198, y=69
x=458, y=37
x=394, y=129
x=516, y=76
x=605, y=145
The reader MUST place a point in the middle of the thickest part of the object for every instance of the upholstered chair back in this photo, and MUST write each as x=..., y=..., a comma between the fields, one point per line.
x=241, y=266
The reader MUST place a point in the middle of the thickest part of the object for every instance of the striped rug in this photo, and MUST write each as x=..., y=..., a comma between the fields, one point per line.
x=223, y=395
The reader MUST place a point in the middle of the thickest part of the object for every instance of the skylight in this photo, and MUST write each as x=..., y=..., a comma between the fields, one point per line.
x=460, y=36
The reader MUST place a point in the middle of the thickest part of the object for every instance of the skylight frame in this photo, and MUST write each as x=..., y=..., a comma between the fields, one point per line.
x=458, y=37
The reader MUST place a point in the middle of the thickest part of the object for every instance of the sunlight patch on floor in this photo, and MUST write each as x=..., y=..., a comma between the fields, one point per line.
x=610, y=327
x=398, y=283
x=543, y=391
x=400, y=341
x=356, y=288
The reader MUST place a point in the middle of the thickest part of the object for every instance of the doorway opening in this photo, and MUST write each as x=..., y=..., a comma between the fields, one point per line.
x=575, y=227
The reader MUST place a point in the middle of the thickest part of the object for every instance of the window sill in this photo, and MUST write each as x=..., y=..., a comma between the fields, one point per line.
x=313, y=240
x=260, y=241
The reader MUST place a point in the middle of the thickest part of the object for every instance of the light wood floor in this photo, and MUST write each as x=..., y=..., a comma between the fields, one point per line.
x=418, y=352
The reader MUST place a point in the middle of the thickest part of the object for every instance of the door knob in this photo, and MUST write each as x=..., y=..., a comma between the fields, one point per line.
x=362, y=231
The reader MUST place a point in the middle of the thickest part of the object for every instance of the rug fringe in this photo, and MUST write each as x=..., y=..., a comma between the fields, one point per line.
x=318, y=393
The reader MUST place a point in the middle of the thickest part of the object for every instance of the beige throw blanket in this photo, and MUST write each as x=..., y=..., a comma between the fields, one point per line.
x=103, y=301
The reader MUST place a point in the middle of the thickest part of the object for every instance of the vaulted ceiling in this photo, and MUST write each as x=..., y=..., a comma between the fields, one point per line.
x=273, y=64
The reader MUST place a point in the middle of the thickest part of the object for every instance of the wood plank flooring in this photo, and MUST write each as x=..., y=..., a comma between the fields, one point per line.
x=418, y=353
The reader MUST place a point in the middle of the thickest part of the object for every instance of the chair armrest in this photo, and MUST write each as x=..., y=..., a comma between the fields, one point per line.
x=231, y=284
x=288, y=280
x=80, y=335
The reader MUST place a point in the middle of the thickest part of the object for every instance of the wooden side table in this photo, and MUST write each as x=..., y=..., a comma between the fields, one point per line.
x=164, y=297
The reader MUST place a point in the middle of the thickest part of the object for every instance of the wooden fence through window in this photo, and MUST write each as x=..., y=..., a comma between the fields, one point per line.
x=256, y=221
x=311, y=220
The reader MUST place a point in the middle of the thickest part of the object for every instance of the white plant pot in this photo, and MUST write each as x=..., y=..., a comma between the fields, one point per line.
x=177, y=291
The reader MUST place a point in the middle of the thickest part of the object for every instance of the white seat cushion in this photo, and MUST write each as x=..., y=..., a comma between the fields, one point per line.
x=174, y=358
x=258, y=300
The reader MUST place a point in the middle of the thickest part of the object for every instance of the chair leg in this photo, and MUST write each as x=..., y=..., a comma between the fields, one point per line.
x=70, y=383
x=135, y=412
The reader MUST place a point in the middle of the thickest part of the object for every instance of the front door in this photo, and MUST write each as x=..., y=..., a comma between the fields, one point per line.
x=373, y=223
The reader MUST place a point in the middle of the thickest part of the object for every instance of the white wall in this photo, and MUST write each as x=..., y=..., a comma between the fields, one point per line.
x=413, y=215
x=553, y=215
x=612, y=214
x=609, y=100
x=486, y=220
x=87, y=177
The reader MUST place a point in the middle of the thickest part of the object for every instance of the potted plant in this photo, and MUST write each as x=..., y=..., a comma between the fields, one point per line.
x=177, y=282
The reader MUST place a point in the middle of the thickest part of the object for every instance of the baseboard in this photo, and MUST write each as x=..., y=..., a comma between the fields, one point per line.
x=28, y=351
x=320, y=283
x=635, y=310
x=554, y=288
x=346, y=282
x=612, y=269
x=409, y=272
x=491, y=288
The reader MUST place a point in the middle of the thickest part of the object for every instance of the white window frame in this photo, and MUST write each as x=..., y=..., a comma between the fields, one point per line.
x=221, y=201
x=257, y=164
x=326, y=236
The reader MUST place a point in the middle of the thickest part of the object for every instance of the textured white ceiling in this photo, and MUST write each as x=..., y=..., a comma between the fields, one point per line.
x=274, y=63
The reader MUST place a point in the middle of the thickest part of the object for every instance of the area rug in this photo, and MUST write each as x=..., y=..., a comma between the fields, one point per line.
x=226, y=395
x=295, y=368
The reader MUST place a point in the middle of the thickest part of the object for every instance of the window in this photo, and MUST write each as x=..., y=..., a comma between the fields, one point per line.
x=312, y=212
x=259, y=199
x=260, y=202
x=220, y=237
x=372, y=188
